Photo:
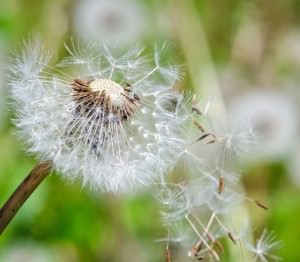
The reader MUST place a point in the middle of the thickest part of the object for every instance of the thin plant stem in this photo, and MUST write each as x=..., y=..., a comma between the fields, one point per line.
x=23, y=191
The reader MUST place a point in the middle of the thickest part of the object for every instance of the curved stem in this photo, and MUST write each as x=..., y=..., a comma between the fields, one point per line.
x=23, y=191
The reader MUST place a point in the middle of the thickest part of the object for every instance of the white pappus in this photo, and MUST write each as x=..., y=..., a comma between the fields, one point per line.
x=113, y=121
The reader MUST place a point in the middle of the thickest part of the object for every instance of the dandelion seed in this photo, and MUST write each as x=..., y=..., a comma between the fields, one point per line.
x=221, y=185
x=232, y=237
x=261, y=205
x=173, y=197
x=264, y=247
x=168, y=254
x=115, y=124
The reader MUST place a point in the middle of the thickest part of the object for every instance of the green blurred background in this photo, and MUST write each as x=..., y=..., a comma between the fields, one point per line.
x=243, y=46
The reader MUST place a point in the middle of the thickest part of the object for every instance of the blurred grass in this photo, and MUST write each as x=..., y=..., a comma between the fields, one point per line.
x=67, y=223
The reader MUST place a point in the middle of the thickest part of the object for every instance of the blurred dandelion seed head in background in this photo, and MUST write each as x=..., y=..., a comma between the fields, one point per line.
x=113, y=20
x=115, y=124
x=274, y=118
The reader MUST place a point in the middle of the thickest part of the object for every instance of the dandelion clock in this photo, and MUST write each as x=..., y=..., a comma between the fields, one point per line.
x=107, y=118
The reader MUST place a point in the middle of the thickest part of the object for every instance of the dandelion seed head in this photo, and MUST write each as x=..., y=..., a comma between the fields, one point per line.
x=113, y=20
x=113, y=126
x=272, y=117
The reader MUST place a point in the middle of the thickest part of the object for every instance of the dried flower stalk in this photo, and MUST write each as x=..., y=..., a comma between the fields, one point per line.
x=21, y=194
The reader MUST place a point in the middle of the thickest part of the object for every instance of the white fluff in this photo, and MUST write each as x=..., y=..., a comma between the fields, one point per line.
x=137, y=152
